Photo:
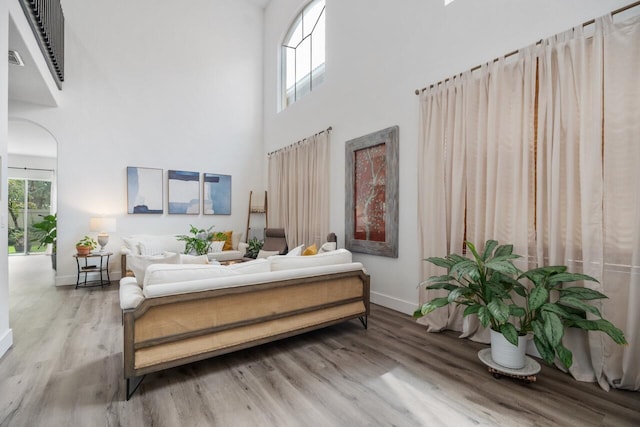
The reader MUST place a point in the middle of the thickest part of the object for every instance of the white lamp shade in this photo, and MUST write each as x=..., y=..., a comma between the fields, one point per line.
x=102, y=224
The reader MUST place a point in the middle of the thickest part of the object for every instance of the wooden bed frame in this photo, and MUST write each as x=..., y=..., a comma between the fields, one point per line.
x=174, y=330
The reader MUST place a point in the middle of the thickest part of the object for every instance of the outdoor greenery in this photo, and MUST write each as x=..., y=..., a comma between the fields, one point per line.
x=38, y=198
x=515, y=303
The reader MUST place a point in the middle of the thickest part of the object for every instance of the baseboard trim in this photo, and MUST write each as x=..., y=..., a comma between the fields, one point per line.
x=396, y=304
x=6, y=342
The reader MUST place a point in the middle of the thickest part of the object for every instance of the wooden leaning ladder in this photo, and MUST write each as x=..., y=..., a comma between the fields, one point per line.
x=260, y=210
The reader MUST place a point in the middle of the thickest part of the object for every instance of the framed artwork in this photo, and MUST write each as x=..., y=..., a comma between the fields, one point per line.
x=371, y=215
x=216, y=194
x=144, y=191
x=184, y=192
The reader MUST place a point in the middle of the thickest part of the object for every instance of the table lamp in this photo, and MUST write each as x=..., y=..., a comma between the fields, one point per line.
x=102, y=226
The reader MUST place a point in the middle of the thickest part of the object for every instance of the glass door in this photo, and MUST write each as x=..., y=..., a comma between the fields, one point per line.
x=28, y=201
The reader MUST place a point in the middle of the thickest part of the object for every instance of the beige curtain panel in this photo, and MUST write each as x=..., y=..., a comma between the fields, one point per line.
x=558, y=181
x=298, y=190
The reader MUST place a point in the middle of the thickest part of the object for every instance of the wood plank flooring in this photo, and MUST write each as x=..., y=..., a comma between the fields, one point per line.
x=65, y=369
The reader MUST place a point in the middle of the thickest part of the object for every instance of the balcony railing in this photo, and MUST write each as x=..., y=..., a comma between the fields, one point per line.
x=47, y=21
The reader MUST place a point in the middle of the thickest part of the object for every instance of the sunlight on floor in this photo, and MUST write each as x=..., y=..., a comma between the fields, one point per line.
x=29, y=271
x=436, y=406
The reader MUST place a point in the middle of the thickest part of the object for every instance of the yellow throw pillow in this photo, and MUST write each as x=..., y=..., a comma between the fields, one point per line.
x=224, y=237
x=311, y=250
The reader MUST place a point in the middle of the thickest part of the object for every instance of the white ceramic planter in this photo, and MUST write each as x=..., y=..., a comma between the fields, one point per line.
x=506, y=354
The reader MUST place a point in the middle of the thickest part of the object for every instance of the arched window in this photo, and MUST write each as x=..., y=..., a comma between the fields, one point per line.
x=303, y=52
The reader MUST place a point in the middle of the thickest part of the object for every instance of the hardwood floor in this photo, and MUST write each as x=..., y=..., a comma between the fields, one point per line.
x=65, y=369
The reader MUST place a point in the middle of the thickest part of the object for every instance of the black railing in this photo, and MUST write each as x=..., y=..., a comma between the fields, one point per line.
x=47, y=21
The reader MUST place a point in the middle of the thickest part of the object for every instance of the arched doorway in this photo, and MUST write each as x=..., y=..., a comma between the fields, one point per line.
x=32, y=184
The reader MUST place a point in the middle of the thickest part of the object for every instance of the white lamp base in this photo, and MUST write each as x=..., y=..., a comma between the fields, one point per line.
x=103, y=239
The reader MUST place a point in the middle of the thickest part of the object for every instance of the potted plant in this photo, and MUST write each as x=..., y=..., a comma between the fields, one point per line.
x=85, y=245
x=47, y=234
x=550, y=309
x=199, y=241
x=253, y=248
x=491, y=287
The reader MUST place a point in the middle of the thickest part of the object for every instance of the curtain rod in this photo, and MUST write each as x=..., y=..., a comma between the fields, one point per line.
x=584, y=24
x=329, y=129
x=31, y=169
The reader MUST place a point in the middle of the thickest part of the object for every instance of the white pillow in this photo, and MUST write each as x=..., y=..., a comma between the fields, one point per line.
x=235, y=239
x=297, y=251
x=162, y=274
x=193, y=259
x=242, y=247
x=216, y=246
x=327, y=247
x=250, y=267
x=146, y=248
x=266, y=254
x=139, y=263
x=166, y=242
x=132, y=245
x=339, y=256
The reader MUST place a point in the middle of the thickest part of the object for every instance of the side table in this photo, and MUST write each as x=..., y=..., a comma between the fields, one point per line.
x=102, y=267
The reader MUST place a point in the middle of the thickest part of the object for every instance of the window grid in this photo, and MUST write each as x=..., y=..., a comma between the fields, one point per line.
x=295, y=89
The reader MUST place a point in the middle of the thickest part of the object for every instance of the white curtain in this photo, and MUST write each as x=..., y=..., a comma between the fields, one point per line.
x=621, y=279
x=298, y=190
x=558, y=181
x=475, y=169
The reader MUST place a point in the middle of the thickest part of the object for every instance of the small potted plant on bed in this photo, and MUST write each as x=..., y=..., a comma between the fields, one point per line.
x=491, y=287
x=86, y=245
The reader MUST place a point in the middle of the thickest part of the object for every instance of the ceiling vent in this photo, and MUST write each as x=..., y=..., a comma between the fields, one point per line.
x=14, y=58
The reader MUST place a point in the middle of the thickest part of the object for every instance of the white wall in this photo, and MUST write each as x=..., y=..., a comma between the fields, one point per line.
x=6, y=337
x=378, y=53
x=159, y=84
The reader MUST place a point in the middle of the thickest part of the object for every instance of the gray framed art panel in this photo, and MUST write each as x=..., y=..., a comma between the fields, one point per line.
x=372, y=190
x=144, y=191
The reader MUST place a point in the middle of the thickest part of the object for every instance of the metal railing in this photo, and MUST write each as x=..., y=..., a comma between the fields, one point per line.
x=47, y=21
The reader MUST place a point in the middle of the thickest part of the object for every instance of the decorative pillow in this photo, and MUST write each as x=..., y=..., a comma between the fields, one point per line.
x=266, y=254
x=297, y=251
x=228, y=236
x=132, y=245
x=139, y=263
x=327, y=247
x=311, y=250
x=242, y=247
x=163, y=274
x=339, y=256
x=216, y=246
x=193, y=259
x=235, y=239
x=249, y=267
x=146, y=248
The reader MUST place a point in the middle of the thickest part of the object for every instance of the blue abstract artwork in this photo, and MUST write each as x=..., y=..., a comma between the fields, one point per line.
x=144, y=191
x=216, y=194
x=184, y=192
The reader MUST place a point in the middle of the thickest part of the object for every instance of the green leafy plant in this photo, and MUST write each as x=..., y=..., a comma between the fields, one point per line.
x=254, y=246
x=490, y=286
x=88, y=242
x=547, y=320
x=199, y=241
x=47, y=231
